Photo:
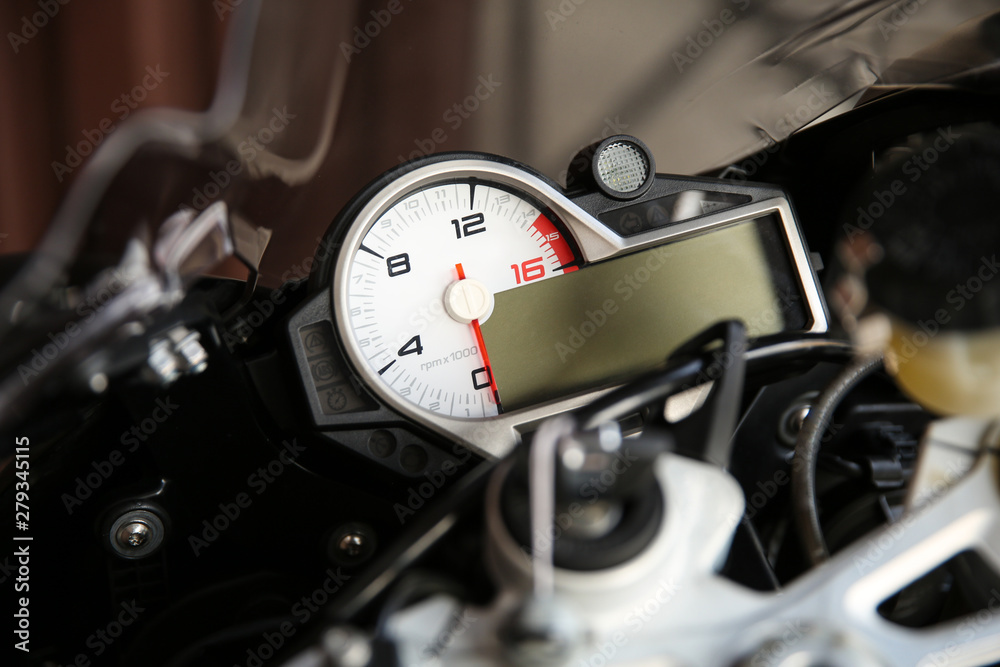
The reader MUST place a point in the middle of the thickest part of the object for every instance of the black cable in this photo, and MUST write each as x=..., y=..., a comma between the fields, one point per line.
x=656, y=386
x=807, y=447
x=661, y=384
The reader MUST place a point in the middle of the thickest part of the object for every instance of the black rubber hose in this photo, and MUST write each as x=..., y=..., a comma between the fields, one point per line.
x=807, y=447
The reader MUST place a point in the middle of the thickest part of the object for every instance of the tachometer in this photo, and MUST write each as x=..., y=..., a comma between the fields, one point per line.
x=418, y=275
x=441, y=254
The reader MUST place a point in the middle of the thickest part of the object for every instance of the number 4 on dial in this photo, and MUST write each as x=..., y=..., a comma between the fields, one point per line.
x=412, y=346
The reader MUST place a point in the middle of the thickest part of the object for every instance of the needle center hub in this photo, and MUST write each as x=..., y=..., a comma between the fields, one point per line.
x=468, y=299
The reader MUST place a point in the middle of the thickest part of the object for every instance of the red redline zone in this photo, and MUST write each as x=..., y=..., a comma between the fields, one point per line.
x=561, y=247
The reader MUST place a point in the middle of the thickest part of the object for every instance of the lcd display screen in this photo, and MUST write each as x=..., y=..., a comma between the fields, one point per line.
x=615, y=319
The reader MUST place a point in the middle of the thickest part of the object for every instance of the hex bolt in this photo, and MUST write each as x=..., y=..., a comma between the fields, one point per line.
x=192, y=352
x=162, y=362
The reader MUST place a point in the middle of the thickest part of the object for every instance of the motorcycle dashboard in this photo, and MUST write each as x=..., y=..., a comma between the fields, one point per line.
x=476, y=297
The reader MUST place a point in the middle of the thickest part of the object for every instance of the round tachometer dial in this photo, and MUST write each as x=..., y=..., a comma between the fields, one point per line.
x=420, y=278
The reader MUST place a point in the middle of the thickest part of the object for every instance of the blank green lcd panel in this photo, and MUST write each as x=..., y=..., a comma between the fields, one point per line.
x=618, y=318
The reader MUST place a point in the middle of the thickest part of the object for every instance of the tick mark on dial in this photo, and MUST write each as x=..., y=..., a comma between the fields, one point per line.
x=386, y=367
x=370, y=251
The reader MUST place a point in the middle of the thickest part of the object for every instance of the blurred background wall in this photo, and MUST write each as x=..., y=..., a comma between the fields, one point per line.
x=535, y=80
x=68, y=76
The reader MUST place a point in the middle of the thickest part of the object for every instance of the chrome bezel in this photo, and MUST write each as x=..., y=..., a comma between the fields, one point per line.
x=494, y=437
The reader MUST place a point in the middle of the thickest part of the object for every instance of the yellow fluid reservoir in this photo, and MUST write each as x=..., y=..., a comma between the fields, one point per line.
x=948, y=372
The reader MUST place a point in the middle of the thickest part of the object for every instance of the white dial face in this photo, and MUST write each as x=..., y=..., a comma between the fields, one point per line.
x=423, y=279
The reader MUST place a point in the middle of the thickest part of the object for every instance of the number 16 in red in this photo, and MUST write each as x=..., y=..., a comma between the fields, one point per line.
x=531, y=269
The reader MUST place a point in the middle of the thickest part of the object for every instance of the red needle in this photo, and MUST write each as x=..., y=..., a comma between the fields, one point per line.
x=482, y=347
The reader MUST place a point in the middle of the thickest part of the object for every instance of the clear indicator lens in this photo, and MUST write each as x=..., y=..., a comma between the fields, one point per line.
x=622, y=166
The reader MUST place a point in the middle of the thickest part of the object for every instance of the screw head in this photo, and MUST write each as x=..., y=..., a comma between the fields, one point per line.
x=352, y=544
x=797, y=418
x=792, y=421
x=134, y=534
